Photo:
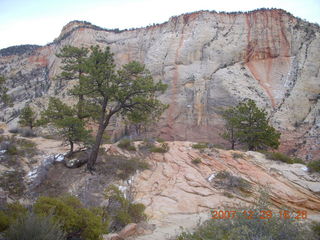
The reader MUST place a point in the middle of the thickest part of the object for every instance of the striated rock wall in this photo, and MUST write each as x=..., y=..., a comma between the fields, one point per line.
x=210, y=61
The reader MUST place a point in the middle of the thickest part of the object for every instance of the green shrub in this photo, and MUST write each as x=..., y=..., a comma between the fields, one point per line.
x=160, y=140
x=126, y=212
x=136, y=212
x=130, y=166
x=298, y=160
x=12, y=150
x=4, y=221
x=126, y=144
x=200, y=145
x=226, y=180
x=314, y=166
x=164, y=147
x=196, y=161
x=237, y=155
x=281, y=157
x=75, y=219
x=315, y=226
x=32, y=227
x=10, y=213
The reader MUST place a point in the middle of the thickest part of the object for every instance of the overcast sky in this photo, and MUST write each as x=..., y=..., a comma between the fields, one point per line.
x=40, y=21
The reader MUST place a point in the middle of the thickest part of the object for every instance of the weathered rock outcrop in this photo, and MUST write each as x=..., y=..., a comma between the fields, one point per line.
x=209, y=60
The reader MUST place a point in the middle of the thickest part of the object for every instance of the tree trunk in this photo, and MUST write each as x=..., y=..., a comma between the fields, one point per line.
x=71, y=150
x=95, y=149
x=103, y=123
x=232, y=145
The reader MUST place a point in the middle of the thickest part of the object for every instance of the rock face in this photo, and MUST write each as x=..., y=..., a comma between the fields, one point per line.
x=210, y=61
x=177, y=185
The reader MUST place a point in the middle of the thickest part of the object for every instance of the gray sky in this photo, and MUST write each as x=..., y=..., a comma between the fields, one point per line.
x=40, y=21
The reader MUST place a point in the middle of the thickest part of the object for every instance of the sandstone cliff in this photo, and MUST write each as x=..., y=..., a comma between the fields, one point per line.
x=209, y=60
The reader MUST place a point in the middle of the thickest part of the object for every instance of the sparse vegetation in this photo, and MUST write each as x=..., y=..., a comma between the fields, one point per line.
x=243, y=227
x=200, y=145
x=226, y=180
x=314, y=166
x=196, y=161
x=164, y=147
x=13, y=182
x=127, y=145
x=121, y=210
x=120, y=166
x=281, y=157
x=237, y=155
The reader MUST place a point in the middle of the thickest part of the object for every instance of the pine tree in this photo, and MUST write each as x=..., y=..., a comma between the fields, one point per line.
x=4, y=97
x=129, y=91
x=74, y=64
x=65, y=119
x=248, y=125
x=27, y=117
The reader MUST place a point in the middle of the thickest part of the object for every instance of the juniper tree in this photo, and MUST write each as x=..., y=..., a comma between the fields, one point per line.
x=27, y=117
x=125, y=92
x=248, y=125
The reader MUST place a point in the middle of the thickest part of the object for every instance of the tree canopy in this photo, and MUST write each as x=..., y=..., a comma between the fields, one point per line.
x=27, y=117
x=248, y=125
x=65, y=119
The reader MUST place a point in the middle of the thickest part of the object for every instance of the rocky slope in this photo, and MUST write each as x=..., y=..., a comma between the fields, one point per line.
x=180, y=187
x=209, y=60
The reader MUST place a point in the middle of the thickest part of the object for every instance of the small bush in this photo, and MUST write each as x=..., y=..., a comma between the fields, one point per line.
x=281, y=157
x=32, y=227
x=126, y=144
x=164, y=147
x=237, y=155
x=122, y=210
x=12, y=150
x=136, y=211
x=314, y=166
x=226, y=180
x=200, y=145
x=129, y=167
x=160, y=140
x=4, y=221
x=196, y=161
